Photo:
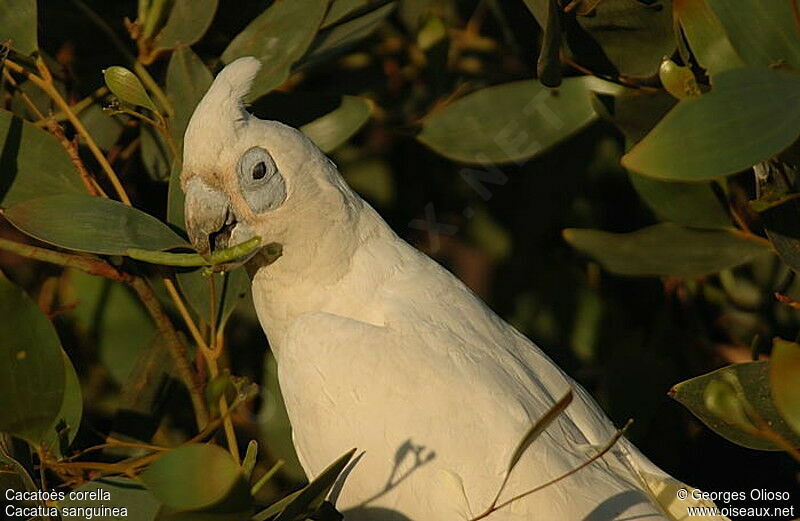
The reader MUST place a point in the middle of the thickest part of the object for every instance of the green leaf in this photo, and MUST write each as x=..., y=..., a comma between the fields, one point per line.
x=688, y=204
x=333, y=129
x=275, y=431
x=154, y=153
x=749, y=116
x=763, y=32
x=18, y=24
x=138, y=503
x=340, y=9
x=65, y=426
x=340, y=36
x=784, y=376
x=707, y=38
x=633, y=35
x=509, y=122
x=311, y=497
x=278, y=37
x=91, y=224
x=195, y=477
x=188, y=79
x=32, y=163
x=538, y=428
x=188, y=21
x=778, y=207
x=105, y=129
x=127, y=87
x=32, y=376
x=732, y=393
x=111, y=319
x=666, y=249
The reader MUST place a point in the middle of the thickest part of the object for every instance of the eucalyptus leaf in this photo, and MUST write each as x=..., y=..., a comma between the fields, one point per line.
x=154, y=153
x=688, y=204
x=763, y=32
x=32, y=162
x=339, y=37
x=18, y=25
x=333, y=129
x=65, y=426
x=311, y=497
x=125, y=85
x=667, y=249
x=195, y=477
x=32, y=376
x=187, y=22
x=538, y=428
x=708, y=41
x=138, y=503
x=110, y=318
x=91, y=224
x=784, y=379
x=735, y=390
x=749, y=116
x=278, y=37
x=634, y=35
x=188, y=79
x=510, y=122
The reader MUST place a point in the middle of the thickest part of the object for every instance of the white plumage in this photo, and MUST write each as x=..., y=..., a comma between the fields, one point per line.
x=380, y=348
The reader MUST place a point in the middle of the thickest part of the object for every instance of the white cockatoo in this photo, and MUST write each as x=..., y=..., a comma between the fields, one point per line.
x=380, y=348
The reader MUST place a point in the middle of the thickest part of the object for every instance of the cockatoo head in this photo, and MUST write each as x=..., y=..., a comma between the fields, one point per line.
x=243, y=176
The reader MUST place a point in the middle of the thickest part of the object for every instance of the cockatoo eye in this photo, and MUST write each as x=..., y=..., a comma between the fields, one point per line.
x=260, y=170
x=261, y=184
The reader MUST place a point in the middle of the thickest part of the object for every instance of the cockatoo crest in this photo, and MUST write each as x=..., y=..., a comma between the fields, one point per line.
x=221, y=113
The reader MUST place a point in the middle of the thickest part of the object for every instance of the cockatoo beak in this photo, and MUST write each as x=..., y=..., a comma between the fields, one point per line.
x=209, y=217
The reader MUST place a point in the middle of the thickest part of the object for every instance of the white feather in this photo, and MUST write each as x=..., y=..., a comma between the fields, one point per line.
x=380, y=348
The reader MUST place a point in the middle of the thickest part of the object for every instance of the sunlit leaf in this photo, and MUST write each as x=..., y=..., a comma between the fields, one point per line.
x=763, y=32
x=195, y=477
x=689, y=204
x=538, y=428
x=666, y=249
x=785, y=381
x=735, y=391
x=127, y=87
x=32, y=376
x=187, y=23
x=91, y=224
x=749, y=116
x=334, y=128
x=122, y=493
x=310, y=498
x=707, y=38
x=510, y=122
x=339, y=37
x=278, y=37
x=32, y=162
x=18, y=24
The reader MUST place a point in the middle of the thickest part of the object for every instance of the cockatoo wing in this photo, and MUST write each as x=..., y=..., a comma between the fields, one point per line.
x=418, y=401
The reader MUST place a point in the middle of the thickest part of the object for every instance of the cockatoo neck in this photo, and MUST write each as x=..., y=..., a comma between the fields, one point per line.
x=321, y=240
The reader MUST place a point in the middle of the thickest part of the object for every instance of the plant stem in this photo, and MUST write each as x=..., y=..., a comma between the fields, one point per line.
x=91, y=265
x=45, y=83
x=176, y=348
x=555, y=480
x=210, y=354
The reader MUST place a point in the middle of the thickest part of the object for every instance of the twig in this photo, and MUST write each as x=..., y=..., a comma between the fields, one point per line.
x=553, y=481
x=45, y=83
x=72, y=151
x=176, y=348
x=90, y=265
x=140, y=69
